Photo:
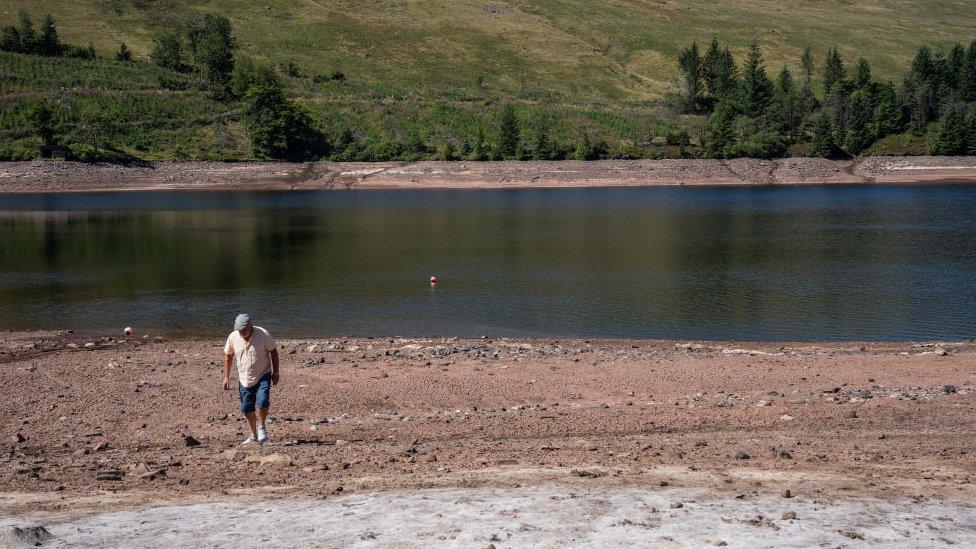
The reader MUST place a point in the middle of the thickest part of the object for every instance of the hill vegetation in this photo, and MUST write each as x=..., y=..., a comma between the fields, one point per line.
x=408, y=79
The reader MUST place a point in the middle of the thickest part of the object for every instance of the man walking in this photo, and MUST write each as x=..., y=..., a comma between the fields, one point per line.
x=256, y=355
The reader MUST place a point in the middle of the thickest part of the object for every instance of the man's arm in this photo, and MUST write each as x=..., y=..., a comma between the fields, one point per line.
x=228, y=360
x=275, y=369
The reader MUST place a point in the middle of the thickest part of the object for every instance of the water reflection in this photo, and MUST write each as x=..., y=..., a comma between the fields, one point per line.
x=868, y=263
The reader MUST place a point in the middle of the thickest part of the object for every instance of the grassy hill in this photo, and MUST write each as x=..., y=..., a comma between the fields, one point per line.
x=603, y=66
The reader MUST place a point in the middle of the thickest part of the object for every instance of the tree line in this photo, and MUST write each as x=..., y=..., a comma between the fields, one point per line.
x=828, y=108
x=751, y=114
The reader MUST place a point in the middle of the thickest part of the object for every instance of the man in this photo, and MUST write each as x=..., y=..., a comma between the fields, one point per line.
x=252, y=347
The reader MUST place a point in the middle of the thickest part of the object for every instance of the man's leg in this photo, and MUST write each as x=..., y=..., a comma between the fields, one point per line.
x=263, y=404
x=263, y=415
x=247, y=408
x=252, y=422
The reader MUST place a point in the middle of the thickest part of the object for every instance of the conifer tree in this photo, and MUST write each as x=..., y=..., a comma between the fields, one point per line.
x=756, y=87
x=508, y=133
x=690, y=62
x=822, y=140
x=949, y=136
x=834, y=74
x=123, y=54
x=49, y=44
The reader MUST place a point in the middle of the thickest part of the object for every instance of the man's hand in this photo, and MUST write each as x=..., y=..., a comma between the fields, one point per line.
x=226, y=383
x=274, y=378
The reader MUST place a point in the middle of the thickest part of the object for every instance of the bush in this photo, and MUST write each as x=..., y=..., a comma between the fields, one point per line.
x=281, y=130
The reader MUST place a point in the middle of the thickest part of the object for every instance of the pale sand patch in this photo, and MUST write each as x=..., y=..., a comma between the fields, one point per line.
x=541, y=516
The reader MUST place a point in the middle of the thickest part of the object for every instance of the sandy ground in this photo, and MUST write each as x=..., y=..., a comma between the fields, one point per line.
x=55, y=176
x=504, y=442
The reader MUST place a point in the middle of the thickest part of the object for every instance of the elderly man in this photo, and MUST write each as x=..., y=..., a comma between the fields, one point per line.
x=257, y=368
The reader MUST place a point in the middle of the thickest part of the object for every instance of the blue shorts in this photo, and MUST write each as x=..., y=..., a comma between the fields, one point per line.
x=258, y=396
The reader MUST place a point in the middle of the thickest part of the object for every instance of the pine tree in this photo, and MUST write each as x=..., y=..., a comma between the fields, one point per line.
x=888, y=113
x=49, y=44
x=508, y=133
x=719, y=71
x=967, y=77
x=690, y=62
x=834, y=74
x=807, y=62
x=721, y=131
x=971, y=131
x=954, y=66
x=949, y=137
x=123, y=54
x=25, y=31
x=862, y=74
x=858, y=135
x=822, y=140
x=756, y=87
x=40, y=117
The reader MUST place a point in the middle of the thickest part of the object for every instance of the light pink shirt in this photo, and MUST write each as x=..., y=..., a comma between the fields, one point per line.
x=252, y=357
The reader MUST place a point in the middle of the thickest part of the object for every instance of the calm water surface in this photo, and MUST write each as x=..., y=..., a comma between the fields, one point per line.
x=808, y=263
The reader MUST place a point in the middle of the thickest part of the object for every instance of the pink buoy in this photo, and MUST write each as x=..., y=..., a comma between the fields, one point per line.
x=433, y=280
x=127, y=331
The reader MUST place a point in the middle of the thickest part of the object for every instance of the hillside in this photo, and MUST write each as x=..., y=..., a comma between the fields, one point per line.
x=594, y=52
x=438, y=72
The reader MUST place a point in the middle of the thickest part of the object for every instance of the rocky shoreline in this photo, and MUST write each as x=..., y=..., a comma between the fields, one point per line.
x=106, y=425
x=63, y=176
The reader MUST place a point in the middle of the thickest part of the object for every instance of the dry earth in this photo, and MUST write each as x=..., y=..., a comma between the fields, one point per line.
x=668, y=442
x=55, y=176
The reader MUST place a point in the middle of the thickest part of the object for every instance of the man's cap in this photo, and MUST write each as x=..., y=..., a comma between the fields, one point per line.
x=242, y=321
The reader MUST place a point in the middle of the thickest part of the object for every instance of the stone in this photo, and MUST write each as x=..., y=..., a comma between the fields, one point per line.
x=272, y=460
x=742, y=455
x=789, y=515
x=190, y=442
x=762, y=403
x=108, y=474
x=34, y=536
x=786, y=494
x=677, y=505
x=233, y=455
x=101, y=447
x=941, y=352
x=850, y=414
x=19, y=438
x=90, y=345
x=786, y=417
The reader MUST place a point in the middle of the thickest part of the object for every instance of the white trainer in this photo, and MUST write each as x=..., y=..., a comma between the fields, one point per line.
x=249, y=440
x=262, y=434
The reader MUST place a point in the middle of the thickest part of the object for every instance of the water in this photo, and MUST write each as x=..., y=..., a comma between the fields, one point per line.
x=774, y=264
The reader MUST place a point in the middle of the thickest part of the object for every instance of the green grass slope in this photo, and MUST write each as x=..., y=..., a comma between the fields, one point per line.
x=590, y=51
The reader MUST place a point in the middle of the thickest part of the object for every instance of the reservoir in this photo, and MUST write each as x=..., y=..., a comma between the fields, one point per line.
x=811, y=263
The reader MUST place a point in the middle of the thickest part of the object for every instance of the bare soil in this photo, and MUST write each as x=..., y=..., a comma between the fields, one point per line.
x=58, y=176
x=96, y=422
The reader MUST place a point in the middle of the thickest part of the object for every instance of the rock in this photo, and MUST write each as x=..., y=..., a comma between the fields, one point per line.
x=190, y=442
x=222, y=416
x=107, y=474
x=786, y=417
x=786, y=494
x=677, y=505
x=90, y=345
x=742, y=455
x=789, y=515
x=949, y=389
x=785, y=454
x=941, y=352
x=762, y=403
x=233, y=455
x=34, y=536
x=101, y=447
x=272, y=460
x=19, y=438
x=850, y=414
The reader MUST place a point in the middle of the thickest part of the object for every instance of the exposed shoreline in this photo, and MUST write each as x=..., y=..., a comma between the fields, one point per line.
x=63, y=176
x=726, y=428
